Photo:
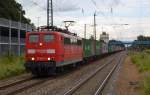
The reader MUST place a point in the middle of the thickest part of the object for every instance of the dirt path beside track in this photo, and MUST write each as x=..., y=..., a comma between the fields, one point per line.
x=128, y=82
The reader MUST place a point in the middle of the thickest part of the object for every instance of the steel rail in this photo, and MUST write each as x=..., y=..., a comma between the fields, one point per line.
x=15, y=83
x=81, y=82
x=99, y=90
x=23, y=88
x=101, y=87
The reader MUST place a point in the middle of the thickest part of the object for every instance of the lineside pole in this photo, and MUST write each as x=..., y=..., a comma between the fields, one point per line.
x=47, y=13
x=94, y=30
x=95, y=25
x=50, y=13
x=85, y=31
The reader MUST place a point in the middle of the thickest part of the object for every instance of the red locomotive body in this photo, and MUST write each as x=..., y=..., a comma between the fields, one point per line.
x=45, y=51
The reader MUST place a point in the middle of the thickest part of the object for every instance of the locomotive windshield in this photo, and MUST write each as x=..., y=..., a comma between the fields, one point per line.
x=33, y=38
x=49, y=38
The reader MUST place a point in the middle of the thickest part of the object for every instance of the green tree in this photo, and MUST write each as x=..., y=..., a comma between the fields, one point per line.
x=143, y=38
x=140, y=38
x=10, y=9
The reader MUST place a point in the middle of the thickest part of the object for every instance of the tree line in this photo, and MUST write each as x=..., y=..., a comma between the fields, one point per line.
x=143, y=38
x=10, y=9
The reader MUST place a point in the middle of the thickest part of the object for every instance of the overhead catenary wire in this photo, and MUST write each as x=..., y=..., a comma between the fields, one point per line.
x=98, y=10
x=44, y=8
x=36, y=4
x=112, y=17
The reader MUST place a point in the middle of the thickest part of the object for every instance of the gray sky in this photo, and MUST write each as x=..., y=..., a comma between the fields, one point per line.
x=111, y=14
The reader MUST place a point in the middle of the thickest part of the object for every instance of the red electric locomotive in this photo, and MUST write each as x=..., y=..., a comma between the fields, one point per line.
x=48, y=50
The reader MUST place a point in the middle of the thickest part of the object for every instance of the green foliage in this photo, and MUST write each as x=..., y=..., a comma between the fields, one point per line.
x=146, y=83
x=11, y=65
x=143, y=38
x=142, y=60
x=10, y=9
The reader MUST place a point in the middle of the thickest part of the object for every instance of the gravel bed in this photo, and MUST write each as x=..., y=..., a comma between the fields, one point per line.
x=110, y=88
x=15, y=79
x=90, y=87
x=21, y=86
x=63, y=82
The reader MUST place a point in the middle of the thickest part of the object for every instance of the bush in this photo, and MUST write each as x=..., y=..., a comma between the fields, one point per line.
x=142, y=60
x=11, y=66
x=146, y=83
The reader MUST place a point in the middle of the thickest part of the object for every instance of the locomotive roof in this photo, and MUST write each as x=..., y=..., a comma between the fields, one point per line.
x=57, y=33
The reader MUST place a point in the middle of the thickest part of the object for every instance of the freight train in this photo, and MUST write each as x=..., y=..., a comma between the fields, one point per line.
x=47, y=51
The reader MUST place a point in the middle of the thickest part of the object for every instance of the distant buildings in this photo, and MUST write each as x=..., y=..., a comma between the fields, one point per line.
x=105, y=37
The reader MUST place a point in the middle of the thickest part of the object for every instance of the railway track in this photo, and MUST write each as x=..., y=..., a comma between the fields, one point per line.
x=21, y=85
x=102, y=84
x=31, y=82
x=65, y=81
x=15, y=83
x=101, y=87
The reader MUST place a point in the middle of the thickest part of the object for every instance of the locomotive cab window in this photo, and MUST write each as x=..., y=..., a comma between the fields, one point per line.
x=49, y=38
x=34, y=38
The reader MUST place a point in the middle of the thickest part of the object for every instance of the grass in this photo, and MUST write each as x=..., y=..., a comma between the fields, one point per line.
x=142, y=60
x=11, y=66
x=146, y=83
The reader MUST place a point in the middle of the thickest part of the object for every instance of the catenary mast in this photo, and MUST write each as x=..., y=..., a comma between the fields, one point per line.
x=50, y=13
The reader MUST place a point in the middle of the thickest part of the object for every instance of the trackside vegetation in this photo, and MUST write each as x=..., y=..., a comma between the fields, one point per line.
x=142, y=60
x=11, y=66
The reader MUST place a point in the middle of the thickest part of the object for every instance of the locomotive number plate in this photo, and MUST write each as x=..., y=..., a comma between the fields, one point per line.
x=41, y=51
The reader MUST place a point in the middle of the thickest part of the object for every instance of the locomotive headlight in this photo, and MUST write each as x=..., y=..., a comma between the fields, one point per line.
x=32, y=58
x=40, y=44
x=31, y=51
x=49, y=59
x=50, y=51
